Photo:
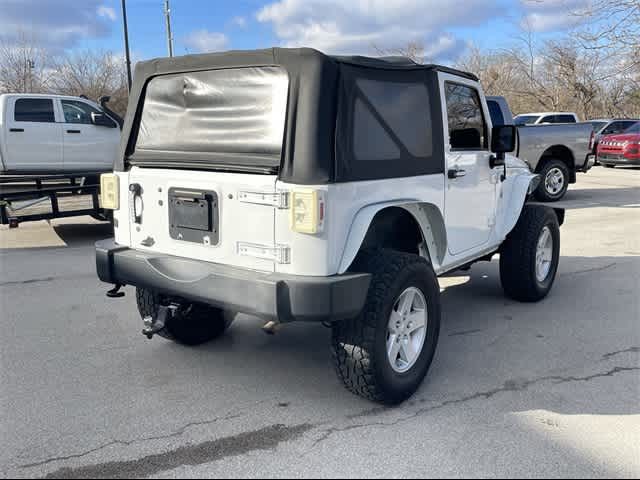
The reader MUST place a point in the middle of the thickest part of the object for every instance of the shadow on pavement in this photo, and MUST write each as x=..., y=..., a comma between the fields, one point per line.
x=83, y=234
x=599, y=197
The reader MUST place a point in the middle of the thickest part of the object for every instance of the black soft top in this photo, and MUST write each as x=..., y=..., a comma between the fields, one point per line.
x=313, y=97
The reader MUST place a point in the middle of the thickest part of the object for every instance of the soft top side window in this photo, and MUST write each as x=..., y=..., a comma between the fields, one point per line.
x=467, y=125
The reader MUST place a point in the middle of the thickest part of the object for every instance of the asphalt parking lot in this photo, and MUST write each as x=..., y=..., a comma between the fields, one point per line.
x=516, y=390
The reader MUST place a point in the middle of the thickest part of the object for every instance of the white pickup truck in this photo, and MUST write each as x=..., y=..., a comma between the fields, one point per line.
x=51, y=134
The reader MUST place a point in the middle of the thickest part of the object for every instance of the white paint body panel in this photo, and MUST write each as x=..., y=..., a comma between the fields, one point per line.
x=239, y=222
x=461, y=219
x=38, y=147
x=47, y=147
x=471, y=199
x=94, y=148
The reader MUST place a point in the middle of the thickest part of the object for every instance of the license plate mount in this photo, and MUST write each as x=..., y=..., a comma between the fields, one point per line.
x=194, y=216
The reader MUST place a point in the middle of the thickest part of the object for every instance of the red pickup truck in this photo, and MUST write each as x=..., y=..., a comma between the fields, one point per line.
x=620, y=149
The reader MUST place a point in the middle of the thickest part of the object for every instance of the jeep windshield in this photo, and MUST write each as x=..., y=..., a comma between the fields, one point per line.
x=229, y=119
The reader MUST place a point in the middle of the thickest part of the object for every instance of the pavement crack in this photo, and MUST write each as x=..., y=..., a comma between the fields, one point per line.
x=588, y=270
x=267, y=438
x=509, y=386
x=466, y=332
x=127, y=443
x=27, y=282
x=607, y=356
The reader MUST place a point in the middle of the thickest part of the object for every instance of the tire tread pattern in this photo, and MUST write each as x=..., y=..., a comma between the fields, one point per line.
x=354, y=340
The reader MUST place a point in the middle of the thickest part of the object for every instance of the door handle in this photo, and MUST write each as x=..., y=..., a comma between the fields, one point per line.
x=74, y=131
x=456, y=173
x=16, y=130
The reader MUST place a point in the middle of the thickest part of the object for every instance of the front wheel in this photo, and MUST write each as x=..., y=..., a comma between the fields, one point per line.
x=530, y=255
x=555, y=181
x=385, y=353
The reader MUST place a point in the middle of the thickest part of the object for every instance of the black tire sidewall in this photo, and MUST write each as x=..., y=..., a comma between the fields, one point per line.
x=545, y=286
x=542, y=193
x=399, y=386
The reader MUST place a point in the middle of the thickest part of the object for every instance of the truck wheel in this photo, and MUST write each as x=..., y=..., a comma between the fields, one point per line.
x=385, y=353
x=530, y=254
x=199, y=324
x=555, y=181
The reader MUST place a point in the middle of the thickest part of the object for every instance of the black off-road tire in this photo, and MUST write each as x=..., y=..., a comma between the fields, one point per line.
x=518, y=255
x=201, y=324
x=542, y=193
x=358, y=346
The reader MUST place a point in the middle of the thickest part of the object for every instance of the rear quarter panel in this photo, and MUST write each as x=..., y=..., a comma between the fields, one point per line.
x=534, y=140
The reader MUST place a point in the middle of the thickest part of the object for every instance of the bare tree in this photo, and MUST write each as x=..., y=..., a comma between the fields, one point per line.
x=93, y=74
x=24, y=66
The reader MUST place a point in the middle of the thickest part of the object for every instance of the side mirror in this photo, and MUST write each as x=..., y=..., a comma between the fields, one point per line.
x=503, y=139
x=101, y=120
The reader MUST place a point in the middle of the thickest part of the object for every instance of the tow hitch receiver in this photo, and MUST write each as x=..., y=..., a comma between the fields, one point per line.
x=153, y=325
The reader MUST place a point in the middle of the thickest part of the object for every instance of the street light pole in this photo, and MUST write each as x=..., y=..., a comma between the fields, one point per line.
x=167, y=14
x=126, y=43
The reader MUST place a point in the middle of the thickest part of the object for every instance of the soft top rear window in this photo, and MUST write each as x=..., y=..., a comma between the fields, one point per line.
x=229, y=111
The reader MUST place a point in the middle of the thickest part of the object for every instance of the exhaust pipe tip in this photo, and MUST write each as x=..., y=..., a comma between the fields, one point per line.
x=271, y=327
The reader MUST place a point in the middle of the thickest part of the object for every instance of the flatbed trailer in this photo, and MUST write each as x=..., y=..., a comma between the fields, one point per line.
x=18, y=193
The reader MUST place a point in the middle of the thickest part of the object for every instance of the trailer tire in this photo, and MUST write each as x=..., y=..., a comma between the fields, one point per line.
x=201, y=324
x=362, y=348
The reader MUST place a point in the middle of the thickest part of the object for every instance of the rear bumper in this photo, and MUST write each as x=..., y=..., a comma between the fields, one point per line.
x=283, y=298
x=589, y=162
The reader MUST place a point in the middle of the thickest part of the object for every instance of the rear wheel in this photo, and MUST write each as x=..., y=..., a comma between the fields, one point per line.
x=555, y=181
x=530, y=255
x=385, y=353
x=196, y=323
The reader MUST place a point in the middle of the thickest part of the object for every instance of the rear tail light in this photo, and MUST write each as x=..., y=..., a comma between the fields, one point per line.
x=109, y=191
x=307, y=211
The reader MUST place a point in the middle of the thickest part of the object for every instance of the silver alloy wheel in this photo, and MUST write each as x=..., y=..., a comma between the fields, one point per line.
x=554, y=181
x=407, y=330
x=544, y=254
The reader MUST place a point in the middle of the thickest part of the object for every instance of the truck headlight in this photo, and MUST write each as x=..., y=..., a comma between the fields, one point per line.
x=307, y=211
x=109, y=191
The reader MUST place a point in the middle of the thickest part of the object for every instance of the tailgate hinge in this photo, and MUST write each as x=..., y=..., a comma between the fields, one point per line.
x=273, y=199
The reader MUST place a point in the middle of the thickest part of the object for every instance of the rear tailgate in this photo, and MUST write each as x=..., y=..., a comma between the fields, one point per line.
x=197, y=214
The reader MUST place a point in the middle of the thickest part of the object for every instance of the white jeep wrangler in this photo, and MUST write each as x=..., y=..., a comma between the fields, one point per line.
x=292, y=185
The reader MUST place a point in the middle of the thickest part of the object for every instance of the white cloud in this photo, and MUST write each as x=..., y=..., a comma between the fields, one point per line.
x=239, y=22
x=107, y=12
x=361, y=26
x=206, y=41
x=55, y=25
x=553, y=15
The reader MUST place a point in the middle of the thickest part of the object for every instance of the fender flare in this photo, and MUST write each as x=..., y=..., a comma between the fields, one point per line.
x=523, y=185
x=427, y=216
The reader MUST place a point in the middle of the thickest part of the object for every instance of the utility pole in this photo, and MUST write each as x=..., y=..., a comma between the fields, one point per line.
x=126, y=43
x=31, y=64
x=167, y=14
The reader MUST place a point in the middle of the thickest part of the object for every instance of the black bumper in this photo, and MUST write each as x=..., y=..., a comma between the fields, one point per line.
x=618, y=160
x=283, y=298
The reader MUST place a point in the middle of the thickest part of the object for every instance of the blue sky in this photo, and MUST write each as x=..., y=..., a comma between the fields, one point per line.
x=336, y=26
